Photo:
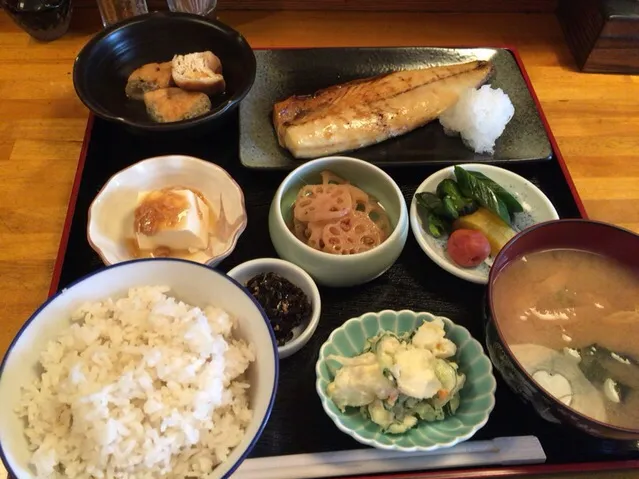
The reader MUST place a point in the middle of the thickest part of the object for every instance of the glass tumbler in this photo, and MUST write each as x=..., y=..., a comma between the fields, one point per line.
x=113, y=11
x=199, y=7
x=44, y=20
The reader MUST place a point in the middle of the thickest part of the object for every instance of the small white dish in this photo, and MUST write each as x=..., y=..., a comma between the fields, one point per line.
x=537, y=209
x=110, y=224
x=244, y=272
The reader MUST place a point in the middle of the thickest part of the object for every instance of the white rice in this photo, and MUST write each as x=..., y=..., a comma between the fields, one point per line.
x=480, y=117
x=140, y=387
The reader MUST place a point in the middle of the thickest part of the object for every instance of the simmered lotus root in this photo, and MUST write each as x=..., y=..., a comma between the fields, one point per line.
x=309, y=233
x=314, y=233
x=338, y=218
x=352, y=234
x=299, y=230
x=330, y=177
x=322, y=203
x=361, y=200
x=378, y=216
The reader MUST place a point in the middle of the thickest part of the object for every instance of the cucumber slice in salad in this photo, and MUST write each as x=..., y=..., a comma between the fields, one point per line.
x=446, y=374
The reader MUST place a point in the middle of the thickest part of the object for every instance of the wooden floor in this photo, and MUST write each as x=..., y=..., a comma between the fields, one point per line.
x=594, y=117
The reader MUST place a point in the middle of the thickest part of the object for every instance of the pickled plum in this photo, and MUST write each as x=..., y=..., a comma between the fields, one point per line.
x=468, y=248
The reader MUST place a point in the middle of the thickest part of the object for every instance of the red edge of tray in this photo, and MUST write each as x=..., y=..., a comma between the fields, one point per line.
x=440, y=474
x=64, y=240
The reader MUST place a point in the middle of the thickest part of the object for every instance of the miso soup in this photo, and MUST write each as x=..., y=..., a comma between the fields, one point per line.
x=571, y=318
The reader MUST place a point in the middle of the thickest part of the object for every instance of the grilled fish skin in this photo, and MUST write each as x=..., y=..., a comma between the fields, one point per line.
x=368, y=111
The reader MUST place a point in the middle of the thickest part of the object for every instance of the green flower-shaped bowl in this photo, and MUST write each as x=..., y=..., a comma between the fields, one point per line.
x=477, y=395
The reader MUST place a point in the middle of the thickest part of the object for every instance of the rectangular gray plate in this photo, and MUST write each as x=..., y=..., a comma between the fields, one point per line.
x=286, y=72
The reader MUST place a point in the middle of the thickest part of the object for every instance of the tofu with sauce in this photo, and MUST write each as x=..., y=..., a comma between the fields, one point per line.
x=173, y=218
x=168, y=105
x=149, y=77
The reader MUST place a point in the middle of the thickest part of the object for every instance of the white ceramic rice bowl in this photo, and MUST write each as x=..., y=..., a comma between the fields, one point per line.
x=190, y=282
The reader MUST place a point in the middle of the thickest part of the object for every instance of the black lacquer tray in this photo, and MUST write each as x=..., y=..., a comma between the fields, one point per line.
x=298, y=424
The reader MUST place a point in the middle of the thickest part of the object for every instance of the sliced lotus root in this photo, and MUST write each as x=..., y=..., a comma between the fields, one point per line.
x=330, y=177
x=361, y=200
x=322, y=203
x=352, y=234
x=367, y=204
x=299, y=230
x=314, y=233
x=378, y=216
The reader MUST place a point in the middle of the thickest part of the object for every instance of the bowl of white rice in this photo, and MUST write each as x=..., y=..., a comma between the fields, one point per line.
x=153, y=368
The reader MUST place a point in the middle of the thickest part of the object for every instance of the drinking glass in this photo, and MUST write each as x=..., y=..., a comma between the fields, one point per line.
x=199, y=7
x=44, y=20
x=113, y=11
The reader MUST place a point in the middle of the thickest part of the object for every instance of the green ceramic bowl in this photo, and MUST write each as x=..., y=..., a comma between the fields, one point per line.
x=333, y=269
x=477, y=395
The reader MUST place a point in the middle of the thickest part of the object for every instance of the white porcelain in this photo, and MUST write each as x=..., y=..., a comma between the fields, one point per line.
x=537, y=209
x=244, y=272
x=337, y=270
x=191, y=282
x=111, y=213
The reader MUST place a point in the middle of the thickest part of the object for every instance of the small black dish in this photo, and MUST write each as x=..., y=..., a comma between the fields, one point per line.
x=103, y=66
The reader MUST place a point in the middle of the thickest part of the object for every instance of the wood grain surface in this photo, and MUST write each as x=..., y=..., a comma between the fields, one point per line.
x=603, y=34
x=595, y=119
x=503, y=6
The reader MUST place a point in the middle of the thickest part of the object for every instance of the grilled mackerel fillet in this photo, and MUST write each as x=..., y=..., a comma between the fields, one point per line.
x=367, y=111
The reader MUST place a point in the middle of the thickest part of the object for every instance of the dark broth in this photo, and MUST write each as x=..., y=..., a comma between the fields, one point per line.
x=586, y=307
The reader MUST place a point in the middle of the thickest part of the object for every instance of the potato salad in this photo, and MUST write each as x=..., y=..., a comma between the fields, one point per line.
x=399, y=380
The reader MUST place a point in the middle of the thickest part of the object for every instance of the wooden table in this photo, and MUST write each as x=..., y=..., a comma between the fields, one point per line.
x=595, y=119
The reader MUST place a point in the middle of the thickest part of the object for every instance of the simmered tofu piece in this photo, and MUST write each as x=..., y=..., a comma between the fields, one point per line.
x=177, y=219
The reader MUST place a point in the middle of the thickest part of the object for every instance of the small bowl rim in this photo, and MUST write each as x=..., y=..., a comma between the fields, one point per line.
x=293, y=346
x=321, y=255
x=372, y=442
x=566, y=410
x=216, y=113
x=234, y=239
x=442, y=261
x=276, y=368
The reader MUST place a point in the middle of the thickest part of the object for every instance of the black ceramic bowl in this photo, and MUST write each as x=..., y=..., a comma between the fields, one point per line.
x=103, y=66
x=584, y=235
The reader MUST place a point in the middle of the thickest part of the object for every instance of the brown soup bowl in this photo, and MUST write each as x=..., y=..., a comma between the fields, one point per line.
x=574, y=234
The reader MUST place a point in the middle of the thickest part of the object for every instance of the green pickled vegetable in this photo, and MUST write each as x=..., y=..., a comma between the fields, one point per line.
x=478, y=190
x=456, y=204
x=431, y=202
x=451, y=208
x=509, y=200
x=465, y=206
x=435, y=217
x=448, y=187
x=435, y=225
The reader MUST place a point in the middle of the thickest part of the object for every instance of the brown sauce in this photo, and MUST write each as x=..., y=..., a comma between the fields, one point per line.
x=166, y=209
x=160, y=209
